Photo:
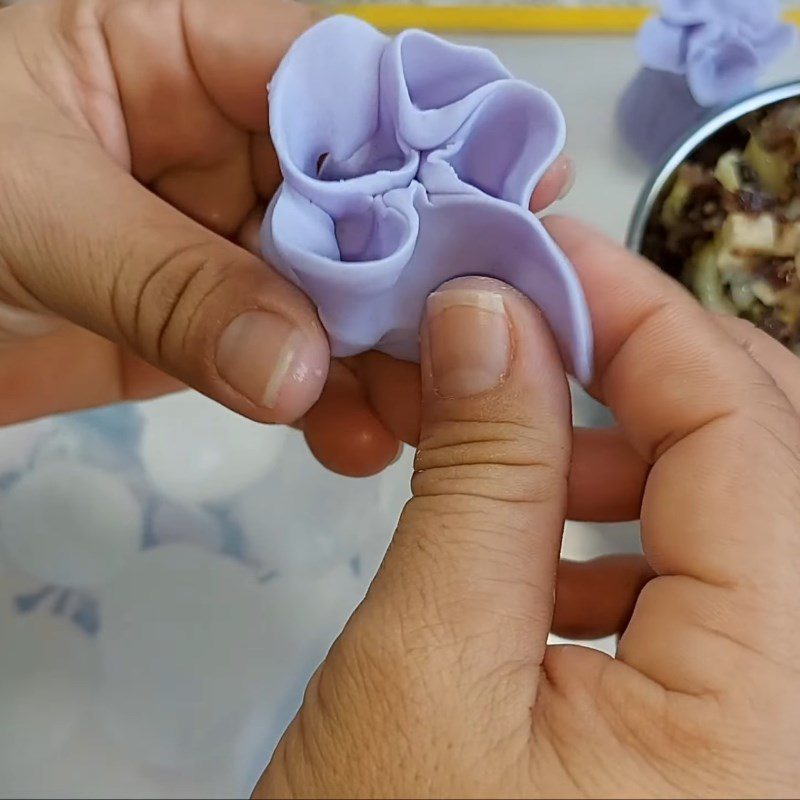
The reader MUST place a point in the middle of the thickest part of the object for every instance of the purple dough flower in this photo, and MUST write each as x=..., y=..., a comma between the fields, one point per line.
x=719, y=45
x=407, y=162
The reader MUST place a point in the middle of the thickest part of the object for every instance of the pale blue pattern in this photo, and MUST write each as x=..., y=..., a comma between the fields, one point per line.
x=192, y=645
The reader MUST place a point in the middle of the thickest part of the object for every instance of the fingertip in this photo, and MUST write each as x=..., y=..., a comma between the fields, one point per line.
x=555, y=184
x=277, y=368
x=494, y=335
x=344, y=434
x=393, y=391
x=596, y=598
x=357, y=448
x=570, y=231
x=607, y=477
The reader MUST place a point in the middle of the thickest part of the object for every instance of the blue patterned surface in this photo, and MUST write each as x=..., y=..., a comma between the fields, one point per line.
x=136, y=681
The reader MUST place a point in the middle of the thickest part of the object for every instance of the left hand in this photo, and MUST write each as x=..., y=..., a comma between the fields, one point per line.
x=136, y=166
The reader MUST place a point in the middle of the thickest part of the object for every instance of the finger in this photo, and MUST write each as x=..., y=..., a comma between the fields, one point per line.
x=555, y=184
x=607, y=477
x=724, y=443
x=393, y=390
x=343, y=432
x=37, y=383
x=595, y=599
x=16, y=324
x=214, y=158
x=189, y=302
x=468, y=582
x=249, y=234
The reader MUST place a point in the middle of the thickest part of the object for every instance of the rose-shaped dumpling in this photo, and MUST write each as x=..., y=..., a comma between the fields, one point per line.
x=721, y=46
x=407, y=162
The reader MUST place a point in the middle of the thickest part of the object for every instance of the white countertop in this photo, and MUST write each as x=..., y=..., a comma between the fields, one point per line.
x=170, y=671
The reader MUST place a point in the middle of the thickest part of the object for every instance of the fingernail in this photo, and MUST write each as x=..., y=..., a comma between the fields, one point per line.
x=259, y=353
x=570, y=173
x=469, y=340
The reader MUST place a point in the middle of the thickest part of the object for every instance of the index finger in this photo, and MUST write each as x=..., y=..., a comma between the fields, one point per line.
x=190, y=78
x=723, y=495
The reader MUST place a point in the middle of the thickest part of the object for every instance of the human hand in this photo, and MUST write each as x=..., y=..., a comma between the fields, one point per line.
x=442, y=684
x=136, y=168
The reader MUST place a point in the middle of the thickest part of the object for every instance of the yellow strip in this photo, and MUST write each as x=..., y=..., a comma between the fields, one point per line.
x=507, y=18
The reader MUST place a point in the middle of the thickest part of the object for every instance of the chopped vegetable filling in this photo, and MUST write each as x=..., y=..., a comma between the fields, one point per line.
x=730, y=225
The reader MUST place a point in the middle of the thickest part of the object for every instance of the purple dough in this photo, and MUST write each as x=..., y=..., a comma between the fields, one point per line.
x=721, y=46
x=407, y=162
x=697, y=55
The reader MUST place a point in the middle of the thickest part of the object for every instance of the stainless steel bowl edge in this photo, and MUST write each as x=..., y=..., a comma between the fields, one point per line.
x=649, y=197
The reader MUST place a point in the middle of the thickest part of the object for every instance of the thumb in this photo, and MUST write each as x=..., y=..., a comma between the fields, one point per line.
x=97, y=248
x=442, y=657
x=473, y=562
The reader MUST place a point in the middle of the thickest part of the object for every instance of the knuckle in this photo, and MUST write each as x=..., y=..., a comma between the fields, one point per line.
x=770, y=428
x=748, y=336
x=508, y=461
x=159, y=310
x=738, y=326
x=640, y=716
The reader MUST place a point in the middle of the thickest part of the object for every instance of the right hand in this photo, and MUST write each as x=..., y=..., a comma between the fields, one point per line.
x=442, y=684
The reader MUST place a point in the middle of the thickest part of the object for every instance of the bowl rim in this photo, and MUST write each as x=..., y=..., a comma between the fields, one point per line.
x=711, y=124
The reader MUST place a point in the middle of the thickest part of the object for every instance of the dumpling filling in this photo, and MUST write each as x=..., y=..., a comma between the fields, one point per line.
x=730, y=225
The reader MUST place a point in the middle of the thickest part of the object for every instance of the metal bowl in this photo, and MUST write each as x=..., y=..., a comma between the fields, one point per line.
x=660, y=185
